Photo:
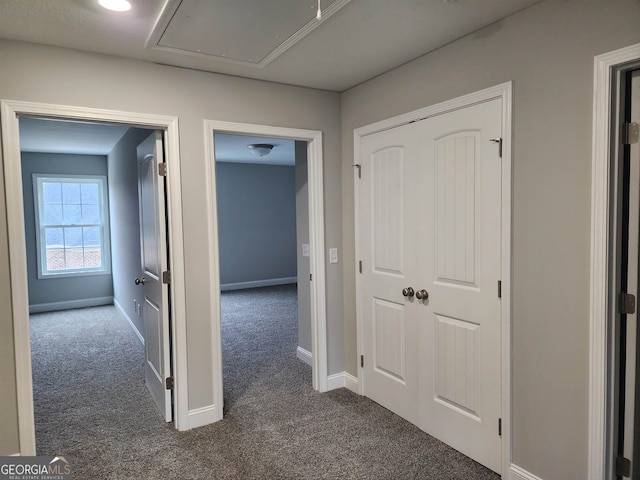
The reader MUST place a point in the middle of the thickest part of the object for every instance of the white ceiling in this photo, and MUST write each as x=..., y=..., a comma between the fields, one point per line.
x=57, y=136
x=360, y=40
x=233, y=149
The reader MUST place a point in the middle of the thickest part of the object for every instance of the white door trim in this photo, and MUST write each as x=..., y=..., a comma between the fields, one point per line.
x=316, y=247
x=604, y=66
x=504, y=92
x=18, y=257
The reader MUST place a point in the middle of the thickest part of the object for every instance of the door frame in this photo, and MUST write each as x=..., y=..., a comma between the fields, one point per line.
x=11, y=160
x=503, y=92
x=316, y=244
x=606, y=68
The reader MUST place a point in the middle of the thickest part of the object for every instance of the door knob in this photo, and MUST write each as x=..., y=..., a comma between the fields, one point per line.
x=422, y=294
x=408, y=292
x=139, y=281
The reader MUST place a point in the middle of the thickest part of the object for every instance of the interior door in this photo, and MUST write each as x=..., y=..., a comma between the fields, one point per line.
x=460, y=384
x=389, y=243
x=627, y=450
x=431, y=209
x=155, y=307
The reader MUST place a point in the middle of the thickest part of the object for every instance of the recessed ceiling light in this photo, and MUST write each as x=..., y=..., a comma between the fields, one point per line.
x=115, y=5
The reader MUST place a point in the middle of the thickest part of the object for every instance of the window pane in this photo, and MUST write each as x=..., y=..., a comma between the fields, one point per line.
x=92, y=257
x=91, y=236
x=71, y=193
x=89, y=193
x=51, y=193
x=55, y=259
x=72, y=214
x=52, y=215
x=90, y=214
x=73, y=237
x=73, y=258
x=53, y=238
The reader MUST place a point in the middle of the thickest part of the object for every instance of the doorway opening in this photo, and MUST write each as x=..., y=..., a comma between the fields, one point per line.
x=72, y=250
x=311, y=141
x=263, y=239
x=614, y=269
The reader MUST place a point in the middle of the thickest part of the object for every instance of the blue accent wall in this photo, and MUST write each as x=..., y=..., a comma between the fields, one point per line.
x=256, y=222
x=52, y=293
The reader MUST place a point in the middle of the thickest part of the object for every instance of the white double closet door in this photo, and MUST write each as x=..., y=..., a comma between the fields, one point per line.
x=429, y=221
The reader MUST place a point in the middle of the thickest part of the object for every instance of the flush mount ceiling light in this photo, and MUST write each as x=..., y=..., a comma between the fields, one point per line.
x=115, y=5
x=260, y=149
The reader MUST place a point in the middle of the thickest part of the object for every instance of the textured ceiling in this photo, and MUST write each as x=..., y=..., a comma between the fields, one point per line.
x=362, y=39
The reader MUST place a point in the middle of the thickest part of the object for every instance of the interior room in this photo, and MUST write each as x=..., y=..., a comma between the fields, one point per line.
x=468, y=172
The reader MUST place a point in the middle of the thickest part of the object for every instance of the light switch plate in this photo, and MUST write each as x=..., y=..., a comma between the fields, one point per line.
x=305, y=249
x=333, y=255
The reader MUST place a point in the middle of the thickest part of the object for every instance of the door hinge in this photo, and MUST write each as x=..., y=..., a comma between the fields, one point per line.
x=359, y=167
x=623, y=467
x=166, y=277
x=499, y=427
x=362, y=361
x=162, y=169
x=169, y=383
x=499, y=142
x=499, y=288
x=360, y=266
x=627, y=303
x=631, y=133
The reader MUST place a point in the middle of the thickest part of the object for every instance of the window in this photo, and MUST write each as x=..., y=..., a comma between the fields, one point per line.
x=71, y=224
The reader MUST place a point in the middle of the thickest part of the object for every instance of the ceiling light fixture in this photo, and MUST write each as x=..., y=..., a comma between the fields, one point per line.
x=319, y=14
x=260, y=149
x=115, y=5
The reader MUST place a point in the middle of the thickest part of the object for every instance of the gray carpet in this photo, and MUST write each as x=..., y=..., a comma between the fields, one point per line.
x=91, y=405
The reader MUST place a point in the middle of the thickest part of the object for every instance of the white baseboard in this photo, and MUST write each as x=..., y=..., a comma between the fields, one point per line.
x=128, y=319
x=305, y=355
x=70, y=304
x=343, y=379
x=518, y=473
x=258, y=283
x=204, y=416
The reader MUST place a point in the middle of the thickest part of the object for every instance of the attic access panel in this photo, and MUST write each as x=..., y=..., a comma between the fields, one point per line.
x=249, y=32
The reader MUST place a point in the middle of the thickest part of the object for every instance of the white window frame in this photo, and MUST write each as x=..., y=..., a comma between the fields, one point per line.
x=101, y=181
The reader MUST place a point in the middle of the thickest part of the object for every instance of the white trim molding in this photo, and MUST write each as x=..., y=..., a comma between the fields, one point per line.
x=343, y=380
x=10, y=111
x=518, y=473
x=503, y=92
x=199, y=417
x=128, y=319
x=70, y=304
x=316, y=245
x=604, y=67
x=304, y=355
x=270, y=282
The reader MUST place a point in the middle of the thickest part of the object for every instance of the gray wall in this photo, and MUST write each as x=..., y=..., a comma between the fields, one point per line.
x=65, y=289
x=67, y=77
x=125, y=223
x=256, y=222
x=302, y=236
x=548, y=51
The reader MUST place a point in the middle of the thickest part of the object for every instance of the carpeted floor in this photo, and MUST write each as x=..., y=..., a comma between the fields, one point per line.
x=91, y=405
